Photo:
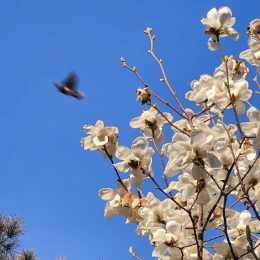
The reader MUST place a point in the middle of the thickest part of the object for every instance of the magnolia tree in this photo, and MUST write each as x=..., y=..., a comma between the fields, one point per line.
x=211, y=160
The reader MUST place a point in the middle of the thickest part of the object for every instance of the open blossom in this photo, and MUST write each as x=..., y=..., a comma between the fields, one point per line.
x=219, y=23
x=122, y=202
x=140, y=156
x=253, y=29
x=253, y=127
x=239, y=93
x=192, y=154
x=150, y=122
x=236, y=69
x=100, y=136
x=252, y=55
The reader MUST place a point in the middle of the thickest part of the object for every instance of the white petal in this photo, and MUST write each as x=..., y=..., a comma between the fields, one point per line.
x=86, y=142
x=240, y=107
x=254, y=44
x=256, y=142
x=247, y=54
x=245, y=217
x=109, y=212
x=198, y=139
x=137, y=122
x=212, y=45
x=139, y=147
x=214, y=162
x=232, y=33
x=122, y=166
x=106, y=194
x=253, y=114
x=89, y=129
x=100, y=140
x=120, y=189
x=159, y=136
x=173, y=227
x=115, y=202
x=174, y=252
x=225, y=15
x=163, y=120
x=181, y=147
x=220, y=248
x=203, y=197
x=161, y=249
x=122, y=152
x=136, y=177
x=198, y=173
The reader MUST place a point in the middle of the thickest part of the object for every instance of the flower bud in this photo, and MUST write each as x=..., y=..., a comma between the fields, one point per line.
x=143, y=95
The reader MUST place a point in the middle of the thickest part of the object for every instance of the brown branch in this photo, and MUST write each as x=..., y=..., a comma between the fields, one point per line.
x=222, y=111
x=111, y=160
x=200, y=232
x=164, y=75
x=167, y=118
x=228, y=88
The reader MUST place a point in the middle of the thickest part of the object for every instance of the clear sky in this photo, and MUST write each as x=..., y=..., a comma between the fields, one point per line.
x=45, y=175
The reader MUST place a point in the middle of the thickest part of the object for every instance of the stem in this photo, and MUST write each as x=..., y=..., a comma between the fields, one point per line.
x=111, y=160
x=200, y=232
x=230, y=96
x=164, y=76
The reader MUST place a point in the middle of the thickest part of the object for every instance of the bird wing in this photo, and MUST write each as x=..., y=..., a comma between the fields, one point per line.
x=70, y=81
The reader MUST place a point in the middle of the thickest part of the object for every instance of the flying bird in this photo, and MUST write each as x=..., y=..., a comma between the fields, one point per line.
x=69, y=87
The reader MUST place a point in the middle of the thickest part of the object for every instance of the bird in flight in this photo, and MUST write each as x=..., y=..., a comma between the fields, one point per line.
x=69, y=87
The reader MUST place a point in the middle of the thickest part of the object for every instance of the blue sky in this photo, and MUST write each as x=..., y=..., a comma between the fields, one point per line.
x=45, y=175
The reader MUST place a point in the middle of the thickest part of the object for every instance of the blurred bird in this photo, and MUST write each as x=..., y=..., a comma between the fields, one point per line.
x=69, y=88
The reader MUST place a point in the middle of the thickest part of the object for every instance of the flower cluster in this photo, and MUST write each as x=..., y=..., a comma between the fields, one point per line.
x=210, y=162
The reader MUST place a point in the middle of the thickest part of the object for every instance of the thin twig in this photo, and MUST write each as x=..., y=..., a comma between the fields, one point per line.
x=111, y=160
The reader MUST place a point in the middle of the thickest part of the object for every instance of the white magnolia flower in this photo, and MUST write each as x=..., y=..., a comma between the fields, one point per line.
x=170, y=241
x=236, y=69
x=192, y=154
x=205, y=88
x=252, y=55
x=190, y=187
x=122, y=202
x=239, y=93
x=100, y=136
x=219, y=23
x=150, y=122
x=238, y=225
x=253, y=127
x=140, y=156
x=156, y=213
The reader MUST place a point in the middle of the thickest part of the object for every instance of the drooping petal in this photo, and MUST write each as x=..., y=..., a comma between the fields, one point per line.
x=253, y=114
x=220, y=248
x=240, y=107
x=108, y=212
x=174, y=252
x=162, y=118
x=136, y=177
x=120, y=189
x=161, y=249
x=214, y=162
x=137, y=122
x=212, y=45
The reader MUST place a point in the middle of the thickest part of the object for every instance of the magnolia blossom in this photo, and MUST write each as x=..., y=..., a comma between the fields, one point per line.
x=192, y=154
x=100, y=138
x=139, y=157
x=239, y=93
x=219, y=23
x=122, y=202
x=252, y=55
x=253, y=29
x=236, y=69
x=238, y=225
x=151, y=124
x=253, y=127
x=170, y=241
